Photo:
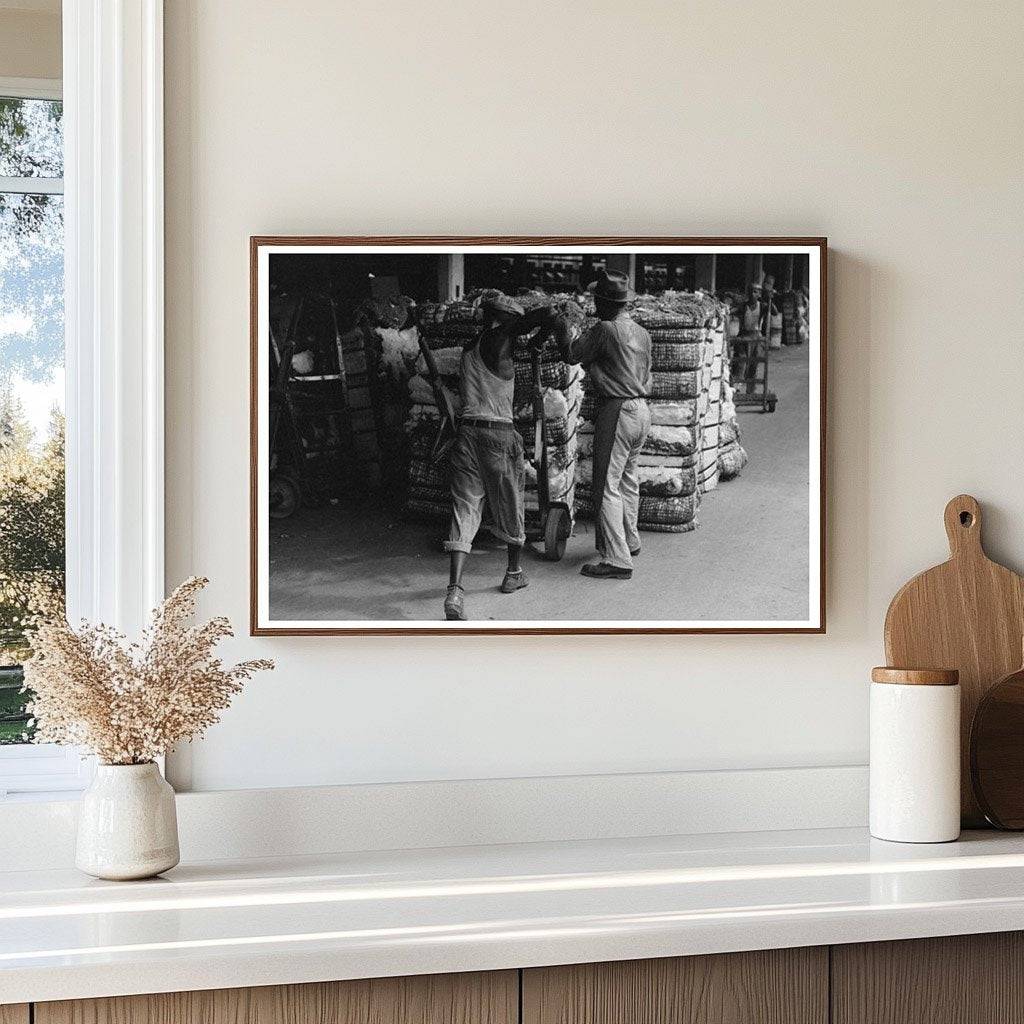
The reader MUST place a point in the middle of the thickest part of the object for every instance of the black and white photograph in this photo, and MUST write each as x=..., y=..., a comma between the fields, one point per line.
x=537, y=435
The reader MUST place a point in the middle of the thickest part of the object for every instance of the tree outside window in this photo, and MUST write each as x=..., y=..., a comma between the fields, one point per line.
x=31, y=387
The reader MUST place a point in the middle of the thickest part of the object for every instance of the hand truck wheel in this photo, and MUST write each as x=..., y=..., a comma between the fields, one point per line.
x=284, y=496
x=557, y=526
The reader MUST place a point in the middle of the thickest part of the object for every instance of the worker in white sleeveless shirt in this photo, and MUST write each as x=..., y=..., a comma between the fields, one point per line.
x=486, y=460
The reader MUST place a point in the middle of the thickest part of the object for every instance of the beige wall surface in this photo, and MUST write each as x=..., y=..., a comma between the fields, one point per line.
x=894, y=129
x=29, y=43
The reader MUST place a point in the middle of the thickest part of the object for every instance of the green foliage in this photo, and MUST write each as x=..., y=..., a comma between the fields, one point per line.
x=32, y=550
x=14, y=727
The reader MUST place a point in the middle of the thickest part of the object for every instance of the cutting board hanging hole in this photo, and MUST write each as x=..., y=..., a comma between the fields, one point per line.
x=963, y=525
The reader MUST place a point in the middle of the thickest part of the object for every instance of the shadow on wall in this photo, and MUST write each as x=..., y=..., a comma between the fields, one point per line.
x=853, y=291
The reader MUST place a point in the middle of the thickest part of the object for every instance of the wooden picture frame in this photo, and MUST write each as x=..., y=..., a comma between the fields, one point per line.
x=262, y=246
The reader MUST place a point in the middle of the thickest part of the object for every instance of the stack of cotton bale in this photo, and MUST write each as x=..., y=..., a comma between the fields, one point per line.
x=444, y=327
x=562, y=386
x=670, y=462
x=667, y=470
x=732, y=457
x=795, y=327
x=708, y=319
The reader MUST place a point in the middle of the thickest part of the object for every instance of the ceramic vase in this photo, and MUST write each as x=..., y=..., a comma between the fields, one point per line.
x=127, y=825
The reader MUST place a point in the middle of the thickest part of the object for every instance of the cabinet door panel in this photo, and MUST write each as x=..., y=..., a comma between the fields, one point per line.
x=482, y=998
x=778, y=986
x=961, y=979
x=14, y=1013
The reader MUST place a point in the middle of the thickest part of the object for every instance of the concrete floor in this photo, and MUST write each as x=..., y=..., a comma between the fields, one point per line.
x=748, y=558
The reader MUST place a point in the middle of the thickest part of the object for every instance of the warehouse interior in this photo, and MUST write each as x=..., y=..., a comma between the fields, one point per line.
x=358, y=504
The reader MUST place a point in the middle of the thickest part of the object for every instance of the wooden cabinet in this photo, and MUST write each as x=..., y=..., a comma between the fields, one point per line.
x=971, y=979
x=490, y=998
x=778, y=986
x=963, y=979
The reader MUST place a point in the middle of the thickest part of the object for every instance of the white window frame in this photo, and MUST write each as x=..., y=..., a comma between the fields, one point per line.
x=114, y=333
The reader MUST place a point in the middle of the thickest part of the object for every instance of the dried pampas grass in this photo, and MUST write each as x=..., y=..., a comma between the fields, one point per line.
x=129, y=703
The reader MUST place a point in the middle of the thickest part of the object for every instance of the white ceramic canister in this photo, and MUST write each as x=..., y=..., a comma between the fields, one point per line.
x=915, y=755
x=127, y=824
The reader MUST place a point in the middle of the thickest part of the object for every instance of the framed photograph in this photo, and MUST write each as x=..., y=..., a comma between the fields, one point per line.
x=537, y=435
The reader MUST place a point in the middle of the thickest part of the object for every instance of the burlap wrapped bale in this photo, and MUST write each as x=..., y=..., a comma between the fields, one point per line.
x=663, y=440
x=461, y=311
x=677, y=334
x=428, y=508
x=731, y=459
x=560, y=456
x=658, y=481
x=658, y=515
x=421, y=391
x=664, y=411
x=668, y=511
x=448, y=361
x=668, y=356
x=560, y=482
x=675, y=413
x=557, y=375
x=680, y=384
x=677, y=310
x=449, y=338
x=708, y=476
x=668, y=527
x=429, y=499
x=425, y=474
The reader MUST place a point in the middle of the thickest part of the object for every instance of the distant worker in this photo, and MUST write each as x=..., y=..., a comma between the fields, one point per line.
x=616, y=353
x=752, y=340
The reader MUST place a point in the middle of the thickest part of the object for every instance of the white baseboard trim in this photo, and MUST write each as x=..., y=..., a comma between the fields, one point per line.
x=235, y=824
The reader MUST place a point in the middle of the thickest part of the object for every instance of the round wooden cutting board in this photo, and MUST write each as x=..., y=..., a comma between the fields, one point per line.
x=967, y=614
x=997, y=752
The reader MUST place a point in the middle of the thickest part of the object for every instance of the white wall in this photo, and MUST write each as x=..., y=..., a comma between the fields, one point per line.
x=895, y=129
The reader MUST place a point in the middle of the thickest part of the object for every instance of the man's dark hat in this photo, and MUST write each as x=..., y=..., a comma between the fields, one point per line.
x=612, y=287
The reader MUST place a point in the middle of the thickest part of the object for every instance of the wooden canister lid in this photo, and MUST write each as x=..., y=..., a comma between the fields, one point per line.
x=916, y=676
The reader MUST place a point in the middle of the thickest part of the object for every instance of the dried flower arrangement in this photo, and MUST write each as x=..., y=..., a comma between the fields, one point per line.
x=130, y=703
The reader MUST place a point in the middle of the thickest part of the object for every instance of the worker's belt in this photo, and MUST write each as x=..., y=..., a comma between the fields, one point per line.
x=475, y=421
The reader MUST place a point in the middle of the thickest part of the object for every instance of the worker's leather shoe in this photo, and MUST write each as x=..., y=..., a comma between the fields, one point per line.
x=454, y=605
x=635, y=553
x=604, y=571
x=514, y=581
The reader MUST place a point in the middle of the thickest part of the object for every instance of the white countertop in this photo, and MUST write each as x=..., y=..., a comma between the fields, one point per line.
x=262, y=922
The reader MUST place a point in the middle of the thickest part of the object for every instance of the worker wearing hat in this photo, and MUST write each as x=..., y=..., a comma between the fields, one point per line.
x=486, y=459
x=616, y=353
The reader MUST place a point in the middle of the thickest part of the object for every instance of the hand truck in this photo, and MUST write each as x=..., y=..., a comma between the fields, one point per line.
x=555, y=517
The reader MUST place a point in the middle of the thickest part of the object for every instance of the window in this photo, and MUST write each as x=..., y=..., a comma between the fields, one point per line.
x=32, y=563
x=92, y=172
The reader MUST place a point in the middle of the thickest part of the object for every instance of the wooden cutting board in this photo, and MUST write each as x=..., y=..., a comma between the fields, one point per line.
x=967, y=614
x=997, y=752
